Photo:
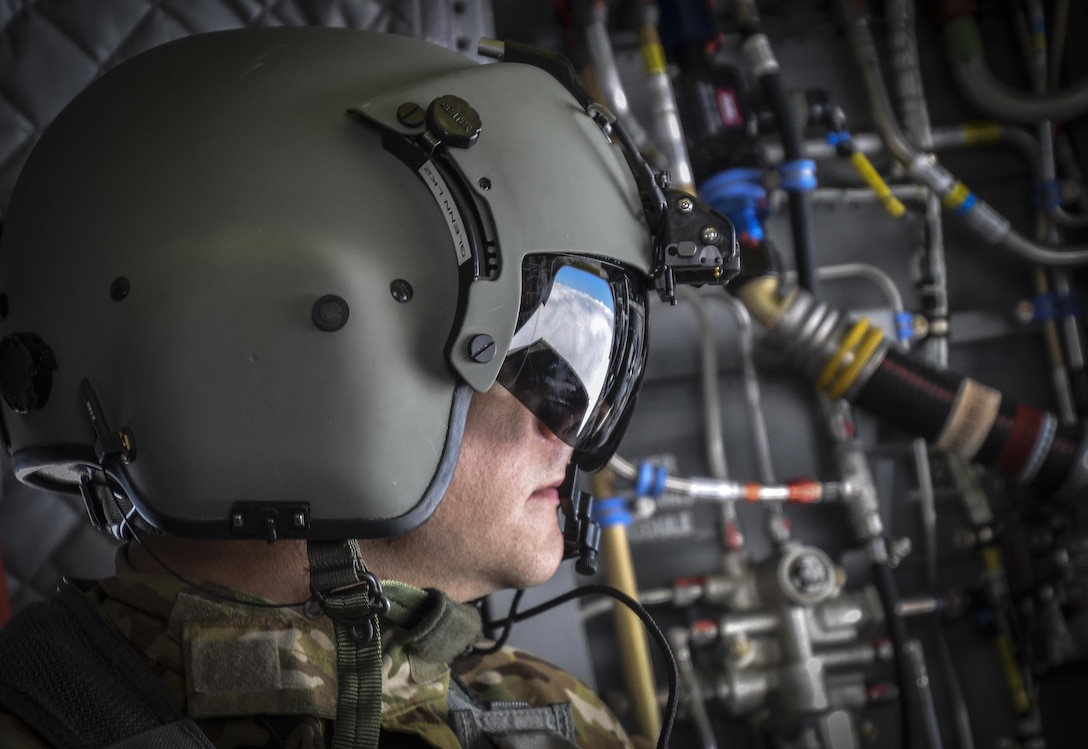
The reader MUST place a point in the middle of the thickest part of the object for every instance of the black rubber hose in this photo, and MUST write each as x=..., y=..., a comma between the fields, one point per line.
x=793, y=148
x=958, y=414
x=897, y=633
x=800, y=203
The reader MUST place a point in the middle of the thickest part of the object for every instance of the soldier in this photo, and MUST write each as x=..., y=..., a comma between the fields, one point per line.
x=315, y=321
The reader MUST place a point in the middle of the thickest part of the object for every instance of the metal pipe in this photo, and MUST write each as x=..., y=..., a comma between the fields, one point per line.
x=924, y=694
x=1037, y=63
x=848, y=195
x=1057, y=49
x=753, y=400
x=593, y=21
x=803, y=491
x=689, y=680
x=666, y=115
x=934, y=284
x=755, y=623
x=708, y=375
x=869, y=272
x=977, y=215
x=969, y=135
x=801, y=677
x=918, y=606
x=964, y=44
x=928, y=505
x=861, y=654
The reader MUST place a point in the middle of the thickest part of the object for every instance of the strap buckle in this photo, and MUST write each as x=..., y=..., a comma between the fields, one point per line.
x=343, y=606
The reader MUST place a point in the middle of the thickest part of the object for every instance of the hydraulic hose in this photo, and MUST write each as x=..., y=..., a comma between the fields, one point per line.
x=964, y=45
x=933, y=287
x=689, y=679
x=850, y=359
x=666, y=115
x=933, y=280
x=973, y=421
x=798, y=173
x=708, y=373
x=799, y=491
x=1070, y=325
x=897, y=633
x=977, y=215
x=974, y=135
x=591, y=17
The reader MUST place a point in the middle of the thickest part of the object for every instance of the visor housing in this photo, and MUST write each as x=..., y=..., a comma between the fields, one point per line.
x=579, y=350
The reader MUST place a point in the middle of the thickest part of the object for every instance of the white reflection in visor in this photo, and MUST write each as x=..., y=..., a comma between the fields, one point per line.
x=578, y=322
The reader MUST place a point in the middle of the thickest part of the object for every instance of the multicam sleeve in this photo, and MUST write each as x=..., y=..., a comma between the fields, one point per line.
x=513, y=674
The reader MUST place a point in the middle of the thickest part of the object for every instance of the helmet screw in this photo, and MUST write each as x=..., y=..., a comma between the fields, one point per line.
x=686, y=205
x=710, y=234
x=401, y=290
x=119, y=288
x=481, y=348
x=411, y=114
x=484, y=183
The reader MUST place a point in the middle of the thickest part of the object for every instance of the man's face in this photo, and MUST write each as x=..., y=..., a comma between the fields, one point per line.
x=496, y=527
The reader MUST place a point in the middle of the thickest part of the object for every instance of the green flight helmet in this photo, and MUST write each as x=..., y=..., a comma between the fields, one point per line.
x=250, y=279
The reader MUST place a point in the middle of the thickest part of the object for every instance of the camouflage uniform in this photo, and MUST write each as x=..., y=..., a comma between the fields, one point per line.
x=257, y=677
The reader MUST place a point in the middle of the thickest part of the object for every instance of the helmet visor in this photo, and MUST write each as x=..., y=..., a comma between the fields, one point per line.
x=577, y=355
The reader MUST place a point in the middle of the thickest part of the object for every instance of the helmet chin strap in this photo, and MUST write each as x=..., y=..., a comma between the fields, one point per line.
x=349, y=594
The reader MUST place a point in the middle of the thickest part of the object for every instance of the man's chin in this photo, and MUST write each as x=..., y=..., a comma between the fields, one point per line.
x=539, y=570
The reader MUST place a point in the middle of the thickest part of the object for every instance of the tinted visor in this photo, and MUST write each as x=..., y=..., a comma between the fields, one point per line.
x=578, y=352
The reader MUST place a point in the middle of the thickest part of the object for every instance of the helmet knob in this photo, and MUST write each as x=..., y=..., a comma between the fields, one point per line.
x=26, y=372
x=453, y=121
x=330, y=313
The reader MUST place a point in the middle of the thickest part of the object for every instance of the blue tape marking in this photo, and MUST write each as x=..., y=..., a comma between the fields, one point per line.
x=967, y=204
x=904, y=325
x=611, y=511
x=645, y=478
x=1048, y=307
x=659, y=484
x=1047, y=193
x=799, y=175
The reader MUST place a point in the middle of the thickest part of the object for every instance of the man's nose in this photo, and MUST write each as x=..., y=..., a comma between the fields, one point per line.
x=545, y=431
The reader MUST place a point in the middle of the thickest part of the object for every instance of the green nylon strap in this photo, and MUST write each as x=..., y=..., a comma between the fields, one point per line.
x=405, y=602
x=352, y=597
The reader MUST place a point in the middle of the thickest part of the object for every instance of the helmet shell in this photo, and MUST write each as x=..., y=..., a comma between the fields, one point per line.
x=170, y=240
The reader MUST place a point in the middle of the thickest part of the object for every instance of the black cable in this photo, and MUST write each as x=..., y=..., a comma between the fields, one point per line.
x=662, y=642
x=800, y=202
x=793, y=148
x=673, y=675
x=508, y=625
x=897, y=632
x=197, y=586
